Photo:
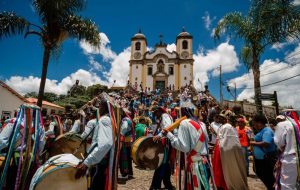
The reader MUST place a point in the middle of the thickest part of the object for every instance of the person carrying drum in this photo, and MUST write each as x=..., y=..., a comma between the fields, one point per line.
x=98, y=155
x=191, y=139
x=162, y=173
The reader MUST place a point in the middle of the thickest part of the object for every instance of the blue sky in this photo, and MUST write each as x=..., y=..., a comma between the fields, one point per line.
x=119, y=21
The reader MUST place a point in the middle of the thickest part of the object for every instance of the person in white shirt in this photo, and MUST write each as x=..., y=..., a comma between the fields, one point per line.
x=284, y=138
x=102, y=142
x=76, y=126
x=192, y=140
x=162, y=173
x=214, y=128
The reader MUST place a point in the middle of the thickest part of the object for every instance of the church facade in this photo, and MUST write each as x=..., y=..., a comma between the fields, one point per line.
x=160, y=68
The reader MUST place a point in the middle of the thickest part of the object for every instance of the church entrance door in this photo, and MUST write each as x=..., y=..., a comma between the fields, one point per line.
x=161, y=85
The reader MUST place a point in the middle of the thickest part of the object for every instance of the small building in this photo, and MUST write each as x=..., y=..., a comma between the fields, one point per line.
x=48, y=108
x=10, y=101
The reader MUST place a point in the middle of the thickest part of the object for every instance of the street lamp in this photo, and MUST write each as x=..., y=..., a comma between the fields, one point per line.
x=229, y=90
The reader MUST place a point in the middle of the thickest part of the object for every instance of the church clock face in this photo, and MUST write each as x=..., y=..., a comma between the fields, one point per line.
x=185, y=54
x=137, y=55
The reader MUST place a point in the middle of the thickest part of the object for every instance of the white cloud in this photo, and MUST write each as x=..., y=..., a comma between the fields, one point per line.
x=287, y=91
x=119, y=63
x=208, y=20
x=31, y=84
x=119, y=68
x=278, y=46
x=294, y=56
x=171, y=47
x=104, y=49
x=207, y=63
x=296, y=2
x=95, y=65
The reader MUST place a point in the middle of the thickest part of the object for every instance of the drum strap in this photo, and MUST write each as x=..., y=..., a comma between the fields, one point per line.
x=84, y=140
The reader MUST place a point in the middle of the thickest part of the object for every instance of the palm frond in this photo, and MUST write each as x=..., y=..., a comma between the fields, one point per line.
x=236, y=23
x=55, y=9
x=11, y=24
x=279, y=17
x=81, y=28
x=247, y=56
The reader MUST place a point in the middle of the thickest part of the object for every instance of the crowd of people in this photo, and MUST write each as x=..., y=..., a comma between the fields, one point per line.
x=209, y=149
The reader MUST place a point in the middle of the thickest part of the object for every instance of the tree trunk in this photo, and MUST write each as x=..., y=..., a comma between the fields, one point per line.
x=44, y=76
x=257, y=88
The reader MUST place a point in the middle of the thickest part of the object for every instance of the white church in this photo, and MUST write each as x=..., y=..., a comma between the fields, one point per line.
x=160, y=68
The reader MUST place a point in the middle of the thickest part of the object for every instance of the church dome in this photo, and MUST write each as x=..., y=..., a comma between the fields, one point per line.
x=184, y=34
x=139, y=35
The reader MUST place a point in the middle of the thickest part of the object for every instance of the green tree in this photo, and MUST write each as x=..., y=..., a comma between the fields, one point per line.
x=31, y=95
x=94, y=90
x=50, y=97
x=268, y=22
x=59, y=20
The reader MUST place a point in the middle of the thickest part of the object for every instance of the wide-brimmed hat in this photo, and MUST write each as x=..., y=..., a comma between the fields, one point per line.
x=281, y=117
x=156, y=109
x=222, y=115
x=138, y=119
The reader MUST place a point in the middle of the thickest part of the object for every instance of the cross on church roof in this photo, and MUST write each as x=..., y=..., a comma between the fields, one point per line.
x=161, y=39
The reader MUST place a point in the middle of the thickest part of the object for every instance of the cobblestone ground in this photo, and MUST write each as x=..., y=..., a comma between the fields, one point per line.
x=142, y=180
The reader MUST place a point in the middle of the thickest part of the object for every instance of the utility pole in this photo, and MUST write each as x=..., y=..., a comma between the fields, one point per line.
x=221, y=95
x=235, y=91
x=276, y=103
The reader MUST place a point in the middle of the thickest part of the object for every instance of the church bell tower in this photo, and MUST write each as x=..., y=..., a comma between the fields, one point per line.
x=138, y=49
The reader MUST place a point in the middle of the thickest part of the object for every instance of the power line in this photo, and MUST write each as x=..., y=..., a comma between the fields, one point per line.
x=276, y=82
x=287, y=67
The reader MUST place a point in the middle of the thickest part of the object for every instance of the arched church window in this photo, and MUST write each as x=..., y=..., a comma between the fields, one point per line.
x=138, y=46
x=184, y=66
x=184, y=78
x=137, y=67
x=184, y=44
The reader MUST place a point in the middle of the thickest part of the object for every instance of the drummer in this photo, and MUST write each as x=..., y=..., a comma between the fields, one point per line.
x=191, y=139
x=162, y=173
x=98, y=155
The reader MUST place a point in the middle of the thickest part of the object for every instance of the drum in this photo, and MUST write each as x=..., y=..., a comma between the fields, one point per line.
x=67, y=143
x=147, y=154
x=58, y=173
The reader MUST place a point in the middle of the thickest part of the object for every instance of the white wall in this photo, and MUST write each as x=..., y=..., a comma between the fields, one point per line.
x=185, y=72
x=8, y=101
x=137, y=73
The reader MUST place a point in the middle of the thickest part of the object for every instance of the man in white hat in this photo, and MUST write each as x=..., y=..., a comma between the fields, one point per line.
x=285, y=140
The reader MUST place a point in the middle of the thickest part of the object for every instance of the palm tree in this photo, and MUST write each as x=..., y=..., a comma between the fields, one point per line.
x=58, y=22
x=268, y=22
